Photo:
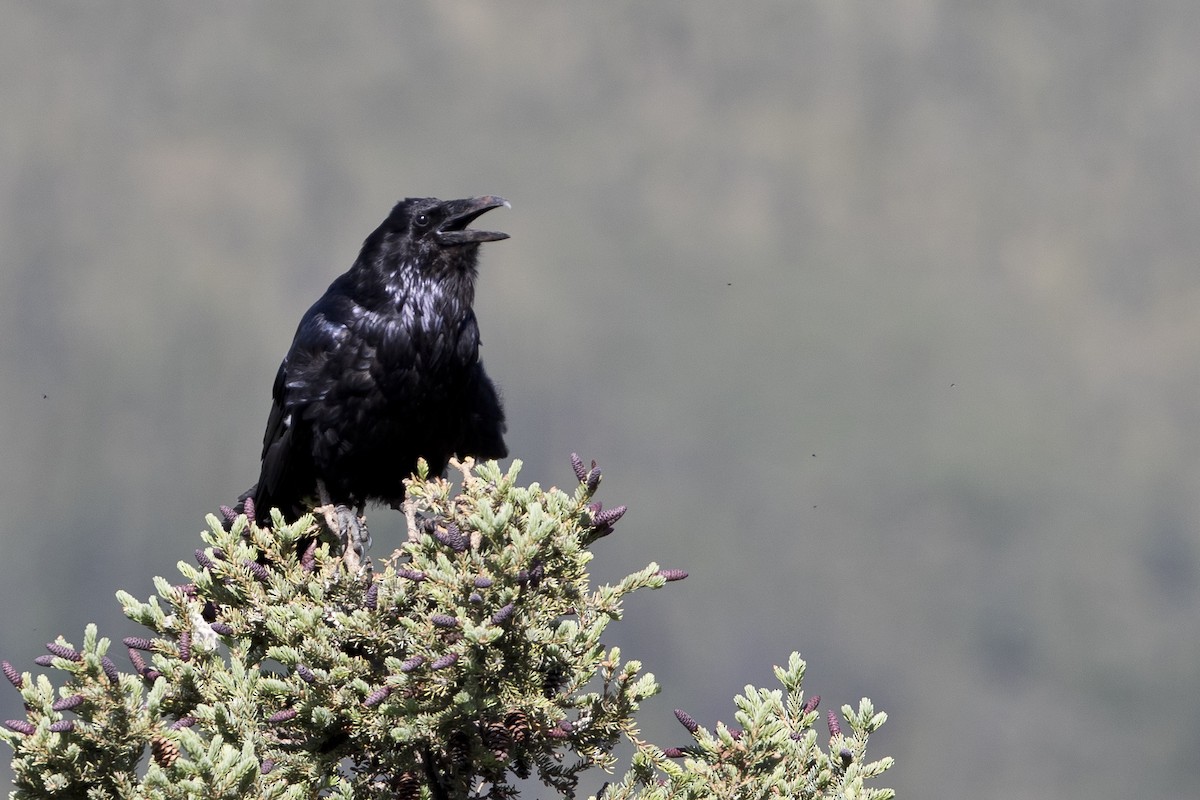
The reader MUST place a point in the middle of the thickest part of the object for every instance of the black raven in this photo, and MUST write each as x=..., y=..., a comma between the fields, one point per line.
x=385, y=368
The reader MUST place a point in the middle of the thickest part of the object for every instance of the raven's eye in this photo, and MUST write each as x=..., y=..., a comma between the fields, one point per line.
x=421, y=221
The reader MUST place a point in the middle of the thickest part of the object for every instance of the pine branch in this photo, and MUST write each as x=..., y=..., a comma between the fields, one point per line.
x=469, y=658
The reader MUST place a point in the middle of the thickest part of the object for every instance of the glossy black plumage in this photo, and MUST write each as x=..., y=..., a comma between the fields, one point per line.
x=385, y=368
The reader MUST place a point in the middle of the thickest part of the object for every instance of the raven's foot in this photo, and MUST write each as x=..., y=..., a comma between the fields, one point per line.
x=410, y=519
x=351, y=528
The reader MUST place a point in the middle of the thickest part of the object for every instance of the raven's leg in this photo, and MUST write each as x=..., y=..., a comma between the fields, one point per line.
x=409, y=507
x=351, y=527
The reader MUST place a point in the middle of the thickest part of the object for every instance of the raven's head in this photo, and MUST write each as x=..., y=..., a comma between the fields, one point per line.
x=424, y=221
x=426, y=242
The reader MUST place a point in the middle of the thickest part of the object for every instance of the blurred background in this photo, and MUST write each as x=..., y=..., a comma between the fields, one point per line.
x=881, y=317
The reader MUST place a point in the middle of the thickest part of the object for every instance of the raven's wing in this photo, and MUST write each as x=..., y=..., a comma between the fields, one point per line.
x=320, y=362
x=277, y=440
x=483, y=436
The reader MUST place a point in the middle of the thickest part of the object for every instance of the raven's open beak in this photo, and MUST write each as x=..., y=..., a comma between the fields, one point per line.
x=461, y=213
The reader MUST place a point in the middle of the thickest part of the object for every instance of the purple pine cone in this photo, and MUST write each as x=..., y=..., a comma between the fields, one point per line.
x=185, y=646
x=811, y=704
x=483, y=582
x=503, y=614
x=672, y=574
x=452, y=537
x=261, y=573
x=607, y=518
x=835, y=727
x=308, y=560
x=532, y=576
x=221, y=629
x=44, y=661
x=412, y=663
x=378, y=696
x=20, y=726
x=306, y=674
x=371, y=598
x=183, y=722
x=62, y=651
x=110, y=669
x=444, y=661
x=138, y=643
x=67, y=703
x=685, y=719
x=285, y=715
x=62, y=726
x=11, y=673
x=577, y=465
x=443, y=620
x=204, y=561
x=411, y=574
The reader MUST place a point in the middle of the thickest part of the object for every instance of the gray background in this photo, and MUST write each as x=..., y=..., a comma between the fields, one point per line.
x=881, y=317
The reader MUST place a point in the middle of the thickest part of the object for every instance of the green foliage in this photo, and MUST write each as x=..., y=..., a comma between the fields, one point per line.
x=473, y=657
x=773, y=754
